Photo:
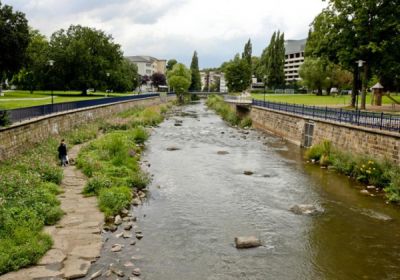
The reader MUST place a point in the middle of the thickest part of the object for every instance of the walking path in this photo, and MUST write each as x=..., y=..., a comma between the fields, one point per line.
x=77, y=239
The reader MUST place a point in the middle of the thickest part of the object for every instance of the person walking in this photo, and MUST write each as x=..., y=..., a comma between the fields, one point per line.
x=62, y=153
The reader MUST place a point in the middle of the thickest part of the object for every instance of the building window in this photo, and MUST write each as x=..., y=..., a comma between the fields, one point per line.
x=148, y=64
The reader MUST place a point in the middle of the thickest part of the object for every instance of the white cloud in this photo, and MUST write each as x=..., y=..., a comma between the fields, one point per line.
x=217, y=29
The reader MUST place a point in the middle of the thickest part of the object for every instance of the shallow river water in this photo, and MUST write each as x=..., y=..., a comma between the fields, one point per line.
x=200, y=200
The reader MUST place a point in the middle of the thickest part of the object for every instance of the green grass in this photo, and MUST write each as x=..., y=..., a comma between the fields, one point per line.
x=366, y=170
x=44, y=97
x=28, y=189
x=312, y=99
x=112, y=161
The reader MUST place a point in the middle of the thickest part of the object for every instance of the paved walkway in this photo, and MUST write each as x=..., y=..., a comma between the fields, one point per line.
x=77, y=239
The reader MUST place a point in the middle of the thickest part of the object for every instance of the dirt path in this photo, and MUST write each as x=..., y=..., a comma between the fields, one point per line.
x=77, y=239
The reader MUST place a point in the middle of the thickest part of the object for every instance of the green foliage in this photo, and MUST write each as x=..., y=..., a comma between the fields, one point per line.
x=4, y=118
x=229, y=115
x=180, y=78
x=194, y=69
x=124, y=78
x=140, y=135
x=113, y=200
x=273, y=60
x=171, y=63
x=83, y=56
x=366, y=170
x=95, y=184
x=246, y=55
x=28, y=189
x=238, y=74
x=14, y=40
x=83, y=134
x=246, y=122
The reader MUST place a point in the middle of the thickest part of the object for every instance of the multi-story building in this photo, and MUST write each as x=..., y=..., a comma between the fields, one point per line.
x=294, y=58
x=210, y=78
x=148, y=65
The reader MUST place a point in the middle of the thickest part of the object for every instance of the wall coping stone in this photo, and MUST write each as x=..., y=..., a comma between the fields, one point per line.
x=366, y=129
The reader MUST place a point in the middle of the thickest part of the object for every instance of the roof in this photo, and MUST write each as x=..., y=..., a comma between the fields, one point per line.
x=142, y=58
x=295, y=46
x=377, y=86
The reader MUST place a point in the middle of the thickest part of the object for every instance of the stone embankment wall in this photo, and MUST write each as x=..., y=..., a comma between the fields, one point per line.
x=21, y=136
x=364, y=141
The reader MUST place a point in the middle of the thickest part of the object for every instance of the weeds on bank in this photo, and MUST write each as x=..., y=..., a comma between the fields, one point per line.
x=229, y=115
x=364, y=169
x=28, y=189
x=112, y=162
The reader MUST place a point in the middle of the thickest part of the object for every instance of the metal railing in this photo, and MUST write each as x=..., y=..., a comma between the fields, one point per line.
x=22, y=114
x=380, y=121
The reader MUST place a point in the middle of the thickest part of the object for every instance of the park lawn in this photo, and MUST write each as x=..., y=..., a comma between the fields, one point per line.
x=312, y=99
x=44, y=97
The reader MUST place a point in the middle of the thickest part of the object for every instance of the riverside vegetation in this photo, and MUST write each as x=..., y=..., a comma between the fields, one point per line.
x=112, y=161
x=30, y=183
x=381, y=174
x=229, y=115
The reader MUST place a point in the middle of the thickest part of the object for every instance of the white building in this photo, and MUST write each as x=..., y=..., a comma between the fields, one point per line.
x=210, y=78
x=294, y=58
x=148, y=65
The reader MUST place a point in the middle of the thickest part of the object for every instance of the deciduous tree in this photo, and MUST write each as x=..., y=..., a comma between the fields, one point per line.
x=238, y=74
x=179, y=78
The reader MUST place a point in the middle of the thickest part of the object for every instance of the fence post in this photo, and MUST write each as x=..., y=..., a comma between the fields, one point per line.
x=313, y=111
x=381, y=121
x=326, y=111
x=340, y=115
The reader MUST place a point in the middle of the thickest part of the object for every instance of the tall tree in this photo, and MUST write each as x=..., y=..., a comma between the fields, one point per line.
x=171, y=63
x=158, y=79
x=180, y=78
x=273, y=61
x=33, y=75
x=82, y=57
x=247, y=52
x=238, y=74
x=14, y=36
x=124, y=78
x=314, y=74
x=194, y=68
x=351, y=30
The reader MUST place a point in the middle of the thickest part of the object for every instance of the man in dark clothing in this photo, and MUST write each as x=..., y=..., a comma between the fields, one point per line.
x=62, y=153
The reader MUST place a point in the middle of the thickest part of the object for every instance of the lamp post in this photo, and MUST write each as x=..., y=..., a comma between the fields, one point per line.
x=265, y=85
x=108, y=79
x=360, y=64
x=51, y=64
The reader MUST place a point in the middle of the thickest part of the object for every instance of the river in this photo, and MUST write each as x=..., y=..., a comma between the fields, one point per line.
x=201, y=200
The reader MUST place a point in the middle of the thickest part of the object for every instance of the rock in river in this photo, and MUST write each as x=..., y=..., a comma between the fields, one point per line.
x=172, y=149
x=248, y=173
x=243, y=242
x=305, y=209
x=118, y=220
x=222, y=152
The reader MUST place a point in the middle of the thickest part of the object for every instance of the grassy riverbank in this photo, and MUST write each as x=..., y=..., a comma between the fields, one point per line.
x=29, y=183
x=364, y=169
x=112, y=161
x=229, y=115
x=28, y=189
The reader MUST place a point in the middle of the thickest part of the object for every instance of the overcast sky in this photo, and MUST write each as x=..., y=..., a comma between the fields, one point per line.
x=217, y=29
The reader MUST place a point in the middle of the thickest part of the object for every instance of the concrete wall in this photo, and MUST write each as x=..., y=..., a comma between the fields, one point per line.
x=363, y=141
x=21, y=136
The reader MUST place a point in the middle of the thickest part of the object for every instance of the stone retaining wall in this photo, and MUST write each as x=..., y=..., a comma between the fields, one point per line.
x=376, y=143
x=21, y=136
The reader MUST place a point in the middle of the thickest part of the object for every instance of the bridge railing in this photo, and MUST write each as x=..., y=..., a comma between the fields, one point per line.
x=382, y=121
x=22, y=114
x=238, y=98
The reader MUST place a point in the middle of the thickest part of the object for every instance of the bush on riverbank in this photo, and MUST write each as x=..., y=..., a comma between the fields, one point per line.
x=112, y=161
x=229, y=115
x=364, y=169
x=28, y=189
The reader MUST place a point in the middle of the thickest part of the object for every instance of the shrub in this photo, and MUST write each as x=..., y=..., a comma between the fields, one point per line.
x=4, y=118
x=393, y=189
x=95, y=184
x=140, y=135
x=343, y=163
x=52, y=188
x=246, y=122
x=139, y=180
x=114, y=199
x=83, y=134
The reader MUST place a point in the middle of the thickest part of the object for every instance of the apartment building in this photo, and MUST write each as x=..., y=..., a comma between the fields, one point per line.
x=148, y=65
x=210, y=78
x=294, y=58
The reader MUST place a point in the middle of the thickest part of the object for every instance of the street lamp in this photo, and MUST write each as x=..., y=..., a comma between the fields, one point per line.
x=108, y=79
x=265, y=85
x=51, y=64
x=360, y=64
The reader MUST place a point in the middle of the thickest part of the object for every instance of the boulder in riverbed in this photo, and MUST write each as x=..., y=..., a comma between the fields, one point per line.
x=248, y=173
x=222, y=153
x=118, y=220
x=305, y=209
x=243, y=242
x=173, y=149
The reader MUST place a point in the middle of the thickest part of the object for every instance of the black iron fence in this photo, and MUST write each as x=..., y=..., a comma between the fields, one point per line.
x=380, y=121
x=22, y=114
